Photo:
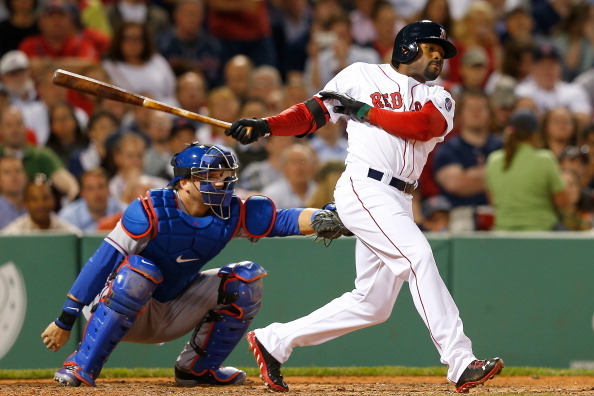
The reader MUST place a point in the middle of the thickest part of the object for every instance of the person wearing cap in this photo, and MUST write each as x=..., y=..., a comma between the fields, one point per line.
x=546, y=87
x=58, y=41
x=524, y=183
x=15, y=76
x=436, y=214
x=474, y=71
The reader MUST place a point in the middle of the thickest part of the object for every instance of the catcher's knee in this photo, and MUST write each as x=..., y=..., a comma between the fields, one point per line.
x=241, y=288
x=133, y=285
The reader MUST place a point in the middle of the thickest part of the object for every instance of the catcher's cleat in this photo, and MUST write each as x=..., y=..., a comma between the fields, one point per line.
x=268, y=365
x=222, y=376
x=65, y=376
x=477, y=373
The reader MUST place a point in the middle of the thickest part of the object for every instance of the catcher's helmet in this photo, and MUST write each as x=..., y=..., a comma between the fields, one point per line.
x=200, y=159
x=406, y=42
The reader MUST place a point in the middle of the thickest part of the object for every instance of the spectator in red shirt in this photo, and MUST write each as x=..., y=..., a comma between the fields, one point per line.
x=59, y=40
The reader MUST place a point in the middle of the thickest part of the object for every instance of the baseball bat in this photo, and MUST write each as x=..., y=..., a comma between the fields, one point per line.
x=103, y=90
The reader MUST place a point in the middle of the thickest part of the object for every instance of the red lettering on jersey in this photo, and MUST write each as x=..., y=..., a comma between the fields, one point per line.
x=385, y=98
x=396, y=100
x=376, y=100
x=417, y=106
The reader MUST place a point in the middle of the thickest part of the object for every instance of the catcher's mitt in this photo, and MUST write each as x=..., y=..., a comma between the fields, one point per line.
x=327, y=225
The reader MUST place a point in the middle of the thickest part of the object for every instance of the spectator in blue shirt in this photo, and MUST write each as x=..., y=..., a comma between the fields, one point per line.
x=13, y=180
x=95, y=201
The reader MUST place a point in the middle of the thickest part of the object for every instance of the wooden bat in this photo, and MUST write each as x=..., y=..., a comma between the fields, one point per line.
x=103, y=90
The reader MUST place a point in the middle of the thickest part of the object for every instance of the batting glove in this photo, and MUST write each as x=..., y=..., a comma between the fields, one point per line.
x=248, y=130
x=348, y=105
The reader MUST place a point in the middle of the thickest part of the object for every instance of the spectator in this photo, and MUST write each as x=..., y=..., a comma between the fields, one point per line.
x=40, y=217
x=329, y=143
x=12, y=189
x=518, y=24
x=438, y=11
x=87, y=102
x=291, y=25
x=326, y=59
x=222, y=105
x=361, y=16
x=476, y=29
x=577, y=159
x=128, y=154
x=157, y=160
x=181, y=135
x=295, y=90
x=502, y=100
x=143, y=12
x=102, y=125
x=15, y=75
x=385, y=22
x=473, y=72
x=191, y=91
x=21, y=23
x=436, y=214
x=94, y=203
x=574, y=37
x=238, y=74
x=242, y=27
x=586, y=81
x=297, y=185
x=257, y=175
x=545, y=86
x=459, y=162
x=517, y=59
x=35, y=159
x=326, y=179
x=246, y=154
x=66, y=135
x=266, y=84
x=58, y=41
x=573, y=216
x=524, y=182
x=559, y=129
x=133, y=63
x=188, y=46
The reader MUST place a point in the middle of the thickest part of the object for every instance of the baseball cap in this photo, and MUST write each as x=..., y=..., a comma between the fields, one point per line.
x=434, y=204
x=12, y=61
x=504, y=94
x=475, y=56
x=546, y=50
x=48, y=6
x=524, y=120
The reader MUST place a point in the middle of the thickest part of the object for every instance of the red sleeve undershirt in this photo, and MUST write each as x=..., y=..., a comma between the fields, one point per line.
x=420, y=125
x=296, y=120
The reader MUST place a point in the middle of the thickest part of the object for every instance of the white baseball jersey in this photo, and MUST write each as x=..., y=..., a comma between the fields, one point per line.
x=382, y=86
x=390, y=248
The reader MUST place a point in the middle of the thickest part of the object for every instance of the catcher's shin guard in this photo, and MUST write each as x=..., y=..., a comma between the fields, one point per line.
x=130, y=290
x=218, y=334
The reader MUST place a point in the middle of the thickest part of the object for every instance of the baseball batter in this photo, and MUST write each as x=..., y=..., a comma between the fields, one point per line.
x=394, y=121
x=150, y=265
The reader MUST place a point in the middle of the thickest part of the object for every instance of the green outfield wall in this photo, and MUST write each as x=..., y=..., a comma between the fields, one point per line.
x=526, y=297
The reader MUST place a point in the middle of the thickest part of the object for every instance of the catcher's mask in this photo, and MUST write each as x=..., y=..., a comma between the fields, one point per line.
x=203, y=161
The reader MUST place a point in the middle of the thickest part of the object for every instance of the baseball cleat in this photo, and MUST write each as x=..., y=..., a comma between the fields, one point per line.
x=477, y=373
x=269, y=366
x=222, y=376
x=65, y=376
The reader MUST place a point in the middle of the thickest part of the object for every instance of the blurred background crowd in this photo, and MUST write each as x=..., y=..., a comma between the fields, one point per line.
x=520, y=157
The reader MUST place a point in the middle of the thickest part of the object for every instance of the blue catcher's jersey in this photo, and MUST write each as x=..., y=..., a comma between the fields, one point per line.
x=182, y=244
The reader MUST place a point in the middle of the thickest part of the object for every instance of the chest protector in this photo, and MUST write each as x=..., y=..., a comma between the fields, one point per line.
x=184, y=244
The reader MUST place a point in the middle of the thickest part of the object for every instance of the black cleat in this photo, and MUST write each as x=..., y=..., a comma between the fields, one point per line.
x=477, y=373
x=269, y=366
x=222, y=376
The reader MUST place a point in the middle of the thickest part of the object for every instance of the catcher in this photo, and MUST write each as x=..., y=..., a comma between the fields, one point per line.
x=144, y=283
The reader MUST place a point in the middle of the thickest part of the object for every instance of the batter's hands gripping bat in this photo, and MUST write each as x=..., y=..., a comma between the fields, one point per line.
x=103, y=90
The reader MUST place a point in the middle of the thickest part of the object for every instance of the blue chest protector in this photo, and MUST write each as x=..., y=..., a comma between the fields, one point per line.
x=184, y=244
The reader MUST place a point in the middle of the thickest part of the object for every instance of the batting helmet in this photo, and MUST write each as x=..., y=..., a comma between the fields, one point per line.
x=406, y=42
x=200, y=159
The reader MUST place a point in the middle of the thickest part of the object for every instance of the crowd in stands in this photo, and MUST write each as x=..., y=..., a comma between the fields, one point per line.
x=520, y=157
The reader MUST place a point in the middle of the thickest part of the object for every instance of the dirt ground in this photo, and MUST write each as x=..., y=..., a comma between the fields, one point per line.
x=322, y=386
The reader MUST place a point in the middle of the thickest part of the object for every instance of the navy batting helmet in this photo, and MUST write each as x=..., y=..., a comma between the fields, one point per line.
x=200, y=159
x=406, y=42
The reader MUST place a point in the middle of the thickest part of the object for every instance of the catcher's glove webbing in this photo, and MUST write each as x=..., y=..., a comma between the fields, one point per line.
x=328, y=226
